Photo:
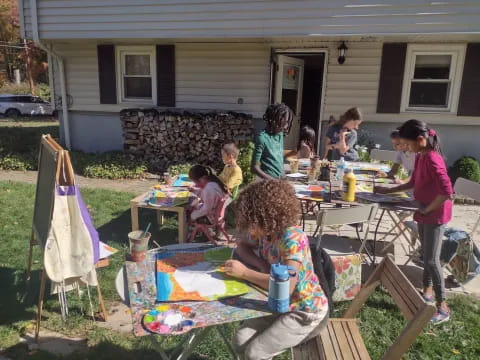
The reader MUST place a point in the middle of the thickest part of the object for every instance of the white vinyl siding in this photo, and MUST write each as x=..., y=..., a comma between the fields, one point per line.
x=100, y=19
x=207, y=77
x=215, y=76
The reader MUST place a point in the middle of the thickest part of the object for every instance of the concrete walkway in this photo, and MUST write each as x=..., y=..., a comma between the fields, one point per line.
x=136, y=186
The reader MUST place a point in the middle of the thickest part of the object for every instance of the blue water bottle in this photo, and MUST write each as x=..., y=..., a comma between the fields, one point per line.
x=279, y=288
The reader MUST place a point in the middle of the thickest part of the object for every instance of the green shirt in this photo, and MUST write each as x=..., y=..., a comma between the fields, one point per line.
x=269, y=153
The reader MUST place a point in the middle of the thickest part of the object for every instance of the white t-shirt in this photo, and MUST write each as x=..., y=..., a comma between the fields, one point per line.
x=407, y=160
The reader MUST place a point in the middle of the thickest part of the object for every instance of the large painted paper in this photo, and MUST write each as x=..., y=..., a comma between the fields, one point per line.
x=196, y=275
x=166, y=198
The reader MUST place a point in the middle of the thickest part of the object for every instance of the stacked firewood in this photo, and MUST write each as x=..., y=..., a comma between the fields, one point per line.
x=163, y=138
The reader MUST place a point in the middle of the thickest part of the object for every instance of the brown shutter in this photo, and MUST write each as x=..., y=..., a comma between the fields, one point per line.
x=107, y=74
x=166, y=75
x=469, y=101
x=391, y=77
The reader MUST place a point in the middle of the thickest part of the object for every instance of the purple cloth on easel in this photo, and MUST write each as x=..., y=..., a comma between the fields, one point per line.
x=75, y=191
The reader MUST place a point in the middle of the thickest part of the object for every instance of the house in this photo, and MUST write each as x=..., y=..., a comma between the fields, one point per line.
x=404, y=59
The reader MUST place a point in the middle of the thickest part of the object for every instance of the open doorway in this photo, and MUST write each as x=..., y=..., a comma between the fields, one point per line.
x=298, y=81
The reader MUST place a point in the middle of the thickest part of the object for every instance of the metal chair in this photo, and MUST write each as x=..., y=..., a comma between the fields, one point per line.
x=363, y=214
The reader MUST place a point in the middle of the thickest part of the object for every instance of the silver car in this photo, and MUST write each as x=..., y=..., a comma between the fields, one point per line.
x=17, y=105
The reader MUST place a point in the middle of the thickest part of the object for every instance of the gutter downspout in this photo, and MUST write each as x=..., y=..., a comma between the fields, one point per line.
x=61, y=70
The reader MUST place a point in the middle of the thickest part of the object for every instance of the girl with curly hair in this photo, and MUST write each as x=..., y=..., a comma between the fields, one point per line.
x=269, y=212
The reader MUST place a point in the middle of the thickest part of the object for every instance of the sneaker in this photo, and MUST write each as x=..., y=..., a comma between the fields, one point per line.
x=441, y=316
x=428, y=298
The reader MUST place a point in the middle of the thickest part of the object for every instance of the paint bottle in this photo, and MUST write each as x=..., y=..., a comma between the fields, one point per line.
x=349, y=185
x=279, y=288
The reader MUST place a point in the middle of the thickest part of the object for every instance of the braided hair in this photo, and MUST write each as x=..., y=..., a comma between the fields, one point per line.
x=278, y=118
x=199, y=171
x=412, y=129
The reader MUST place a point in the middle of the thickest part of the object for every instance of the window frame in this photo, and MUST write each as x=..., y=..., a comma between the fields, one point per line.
x=120, y=53
x=457, y=53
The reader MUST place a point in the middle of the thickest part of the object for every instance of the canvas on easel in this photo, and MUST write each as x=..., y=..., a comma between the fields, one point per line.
x=63, y=228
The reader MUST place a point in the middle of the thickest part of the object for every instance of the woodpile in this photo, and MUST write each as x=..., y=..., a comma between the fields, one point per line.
x=163, y=138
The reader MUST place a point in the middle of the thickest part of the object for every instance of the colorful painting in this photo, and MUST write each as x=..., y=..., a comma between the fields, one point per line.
x=183, y=181
x=166, y=198
x=171, y=319
x=291, y=74
x=197, y=275
x=309, y=192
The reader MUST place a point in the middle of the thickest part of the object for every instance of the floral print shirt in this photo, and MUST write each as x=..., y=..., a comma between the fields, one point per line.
x=308, y=295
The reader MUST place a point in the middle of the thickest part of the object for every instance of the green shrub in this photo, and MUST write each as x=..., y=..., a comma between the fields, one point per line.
x=42, y=90
x=17, y=162
x=466, y=167
x=110, y=165
x=245, y=161
x=363, y=153
x=178, y=169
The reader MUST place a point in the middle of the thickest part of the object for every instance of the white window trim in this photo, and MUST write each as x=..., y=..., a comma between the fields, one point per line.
x=120, y=52
x=457, y=51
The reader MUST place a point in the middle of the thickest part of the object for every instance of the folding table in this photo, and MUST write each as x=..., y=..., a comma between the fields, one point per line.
x=210, y=315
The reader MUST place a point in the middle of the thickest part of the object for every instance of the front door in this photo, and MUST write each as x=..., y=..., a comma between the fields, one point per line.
x=288, y=90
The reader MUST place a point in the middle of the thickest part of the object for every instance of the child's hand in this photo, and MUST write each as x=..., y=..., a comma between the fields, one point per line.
x=380, y=190
x=423, y=210
x=235, y=268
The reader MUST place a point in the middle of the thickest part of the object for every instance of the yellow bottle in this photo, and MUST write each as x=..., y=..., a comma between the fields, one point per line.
x=349, y=185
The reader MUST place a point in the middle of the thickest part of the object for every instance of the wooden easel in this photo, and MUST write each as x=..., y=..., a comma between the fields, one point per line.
x=64, y=176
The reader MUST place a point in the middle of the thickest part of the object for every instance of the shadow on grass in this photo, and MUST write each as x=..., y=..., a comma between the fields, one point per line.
x=116, y=231
x=102, y=351
x=15, y=299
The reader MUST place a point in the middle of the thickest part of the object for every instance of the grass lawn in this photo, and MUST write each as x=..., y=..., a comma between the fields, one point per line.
x=381, y=321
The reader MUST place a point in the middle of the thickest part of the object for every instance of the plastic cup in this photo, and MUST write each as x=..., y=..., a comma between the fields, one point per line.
x=315, y=162
x=293, y=165
x=138, y=245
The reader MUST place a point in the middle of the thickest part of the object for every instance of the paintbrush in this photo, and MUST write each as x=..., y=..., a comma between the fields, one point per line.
x=146, y=230
x=259, y=289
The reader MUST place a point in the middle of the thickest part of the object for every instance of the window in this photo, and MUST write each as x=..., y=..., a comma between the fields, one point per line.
x=432, y=77
x=136, y=74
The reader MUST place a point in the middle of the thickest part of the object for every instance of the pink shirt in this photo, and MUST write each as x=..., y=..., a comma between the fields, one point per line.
x=429, y=180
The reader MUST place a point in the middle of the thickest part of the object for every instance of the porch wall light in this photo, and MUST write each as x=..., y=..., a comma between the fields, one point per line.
x=342, y=49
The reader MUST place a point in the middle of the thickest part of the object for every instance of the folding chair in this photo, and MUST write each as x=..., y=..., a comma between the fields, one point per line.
x=363, y=214
x=217, y=225
x=342, y=339
x=463, y=187
x=383, y=155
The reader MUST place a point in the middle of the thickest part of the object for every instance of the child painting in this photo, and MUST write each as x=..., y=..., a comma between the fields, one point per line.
x=231, y=174
x=267, y=160
x=433, y=190
x=210, y=190
x=269, y=212
x=404, y=157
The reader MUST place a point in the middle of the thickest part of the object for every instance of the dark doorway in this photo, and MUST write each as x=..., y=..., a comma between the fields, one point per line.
x=312, y=88
x=312, y=91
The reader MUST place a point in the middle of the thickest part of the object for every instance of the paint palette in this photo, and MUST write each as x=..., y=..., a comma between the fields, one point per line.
x=171, y=319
